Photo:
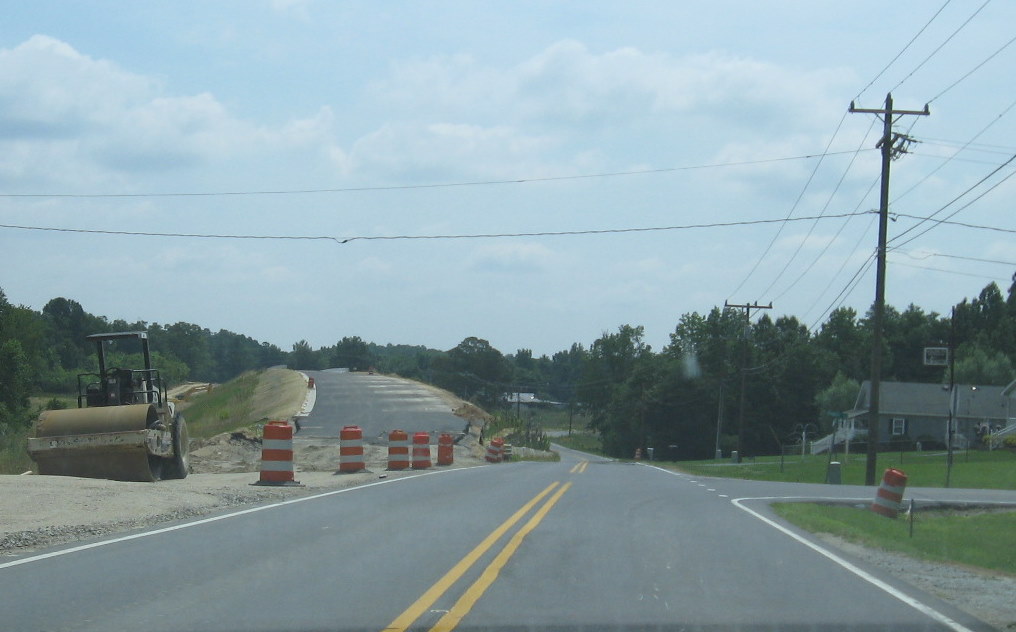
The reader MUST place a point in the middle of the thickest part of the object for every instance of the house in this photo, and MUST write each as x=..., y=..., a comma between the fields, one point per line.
x=527, y=401
x=912, y=412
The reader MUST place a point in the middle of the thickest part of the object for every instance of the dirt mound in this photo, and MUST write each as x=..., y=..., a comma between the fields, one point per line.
x=240, y=451
x=228, y=452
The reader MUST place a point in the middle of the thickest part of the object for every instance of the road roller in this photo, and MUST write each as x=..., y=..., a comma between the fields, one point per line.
x=124, y=428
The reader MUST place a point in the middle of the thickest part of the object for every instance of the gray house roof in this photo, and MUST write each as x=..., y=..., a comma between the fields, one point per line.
x=932, y=400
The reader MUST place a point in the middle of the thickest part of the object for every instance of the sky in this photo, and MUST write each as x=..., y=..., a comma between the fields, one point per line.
x=358, y=122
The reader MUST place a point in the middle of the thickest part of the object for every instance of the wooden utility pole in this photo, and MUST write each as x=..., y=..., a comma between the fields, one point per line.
x=893, y=146
x=744, y=368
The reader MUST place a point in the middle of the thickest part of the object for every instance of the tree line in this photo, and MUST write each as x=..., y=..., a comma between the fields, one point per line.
x=632, y=395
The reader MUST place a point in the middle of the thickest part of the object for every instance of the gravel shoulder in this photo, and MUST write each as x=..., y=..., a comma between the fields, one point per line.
x=984, y=594
x=42, y=511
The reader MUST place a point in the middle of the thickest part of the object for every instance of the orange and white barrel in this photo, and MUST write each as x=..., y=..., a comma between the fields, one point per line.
x=351, y=449
x=890, y=493
x=494, y=450
x=277, y=454
x=445, y=449
x=421, y=450
x=398, y=450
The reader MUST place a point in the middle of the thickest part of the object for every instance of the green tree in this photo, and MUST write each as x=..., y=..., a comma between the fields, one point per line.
x=839, y=396
x=848, y=341
x=984, y=367
x=15, y=384
x=189, y=343
x=303, y=357
x=351, y=353
x=474, y=370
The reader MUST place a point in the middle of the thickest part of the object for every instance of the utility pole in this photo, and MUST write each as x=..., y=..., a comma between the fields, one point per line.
x=952, y=397
x=719, y=423
x=744, y=367
x=892, y=146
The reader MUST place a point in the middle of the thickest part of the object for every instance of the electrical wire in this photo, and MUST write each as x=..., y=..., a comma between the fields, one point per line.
x=815, y=261
x=973, y=70
x=346, y=240
x=956, y=272
x=438, y=185
x=792, y=208
x=939, y=254
x=846, y=291
x=940, y=46
x=997, y=229
x=954, y=200
x=811, y=229
x=902, y=50
x=1004, y=112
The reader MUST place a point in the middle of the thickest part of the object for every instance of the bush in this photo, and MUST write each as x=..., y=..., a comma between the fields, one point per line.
x=55, y=404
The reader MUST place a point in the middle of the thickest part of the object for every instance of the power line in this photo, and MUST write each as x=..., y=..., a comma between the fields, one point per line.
x=825, y=249
x=346, y=240
x=954, y=200
x=1001, y=149
x=967, y=274
x=940, y=46
x=957, y=152
x=902, y=50
x=811, y=229
x=947, y=222
x=973, y=70
x=792, y=208
x=847, y=290
x=438, y=185
x=939, y=254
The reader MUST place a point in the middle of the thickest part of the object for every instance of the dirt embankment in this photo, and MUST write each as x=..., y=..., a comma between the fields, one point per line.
x=39, y=511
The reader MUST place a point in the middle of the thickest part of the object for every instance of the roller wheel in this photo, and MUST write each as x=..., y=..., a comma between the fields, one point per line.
x=157, y=466
x=177, y=466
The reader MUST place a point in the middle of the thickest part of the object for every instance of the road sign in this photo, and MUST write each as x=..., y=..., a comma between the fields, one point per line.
x=936, y=356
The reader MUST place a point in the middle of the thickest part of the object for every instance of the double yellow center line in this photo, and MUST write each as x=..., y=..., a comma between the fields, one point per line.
x=472, y=594
x=579, y=467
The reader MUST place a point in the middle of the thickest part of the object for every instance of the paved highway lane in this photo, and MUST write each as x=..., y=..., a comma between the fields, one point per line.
x=584, y=544
x=376, y=403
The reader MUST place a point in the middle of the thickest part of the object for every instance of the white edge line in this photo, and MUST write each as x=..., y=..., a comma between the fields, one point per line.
x=866, y=576
x=242, y=512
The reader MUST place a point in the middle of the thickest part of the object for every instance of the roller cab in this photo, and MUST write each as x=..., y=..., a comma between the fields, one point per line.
x=124, y=428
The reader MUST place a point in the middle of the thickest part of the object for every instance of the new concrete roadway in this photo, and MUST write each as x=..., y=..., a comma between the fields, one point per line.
x=582, y=544
x=375, y=403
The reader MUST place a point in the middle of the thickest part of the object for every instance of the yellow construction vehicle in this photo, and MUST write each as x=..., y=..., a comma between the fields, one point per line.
x=124, y=428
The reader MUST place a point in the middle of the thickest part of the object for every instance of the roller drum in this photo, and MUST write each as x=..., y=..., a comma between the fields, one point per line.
x=109, y=442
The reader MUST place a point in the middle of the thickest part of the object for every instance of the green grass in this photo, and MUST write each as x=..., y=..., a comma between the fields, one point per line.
x=13, y=444
x=983, y=539
x=973, y=469
x=224, y=408
x=582, y=441
x=13, y=455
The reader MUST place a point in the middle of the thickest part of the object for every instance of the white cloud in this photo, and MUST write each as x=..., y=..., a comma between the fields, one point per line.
x=514, y=257
x=418, y=153
x=70, y=121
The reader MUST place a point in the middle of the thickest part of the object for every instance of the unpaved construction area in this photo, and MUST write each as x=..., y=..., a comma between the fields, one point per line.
x=39, y=511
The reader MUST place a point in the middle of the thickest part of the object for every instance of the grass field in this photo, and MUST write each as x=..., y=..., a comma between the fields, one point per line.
x=973, y=469
x=254, y=396
x=13, y=456
x=977, y=538
x=584, y=441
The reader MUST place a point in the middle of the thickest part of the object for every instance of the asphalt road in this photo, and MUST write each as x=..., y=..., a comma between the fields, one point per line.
x=376, y=403
x=583, y=544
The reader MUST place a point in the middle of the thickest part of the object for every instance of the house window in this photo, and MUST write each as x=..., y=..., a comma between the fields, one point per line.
x=899, y=426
